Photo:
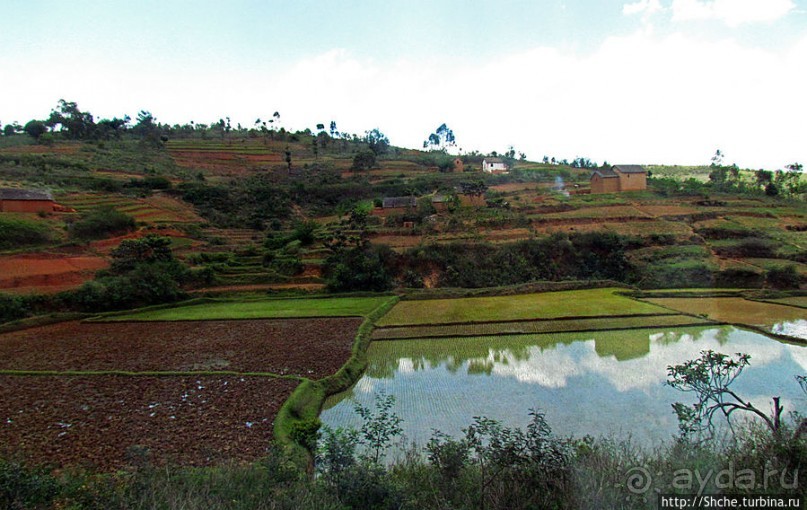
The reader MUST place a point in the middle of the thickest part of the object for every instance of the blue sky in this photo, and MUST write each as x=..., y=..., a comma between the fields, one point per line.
x=644, y=81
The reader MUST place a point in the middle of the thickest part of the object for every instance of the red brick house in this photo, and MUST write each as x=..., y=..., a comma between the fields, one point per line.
x=619, y=178
x=25, y=200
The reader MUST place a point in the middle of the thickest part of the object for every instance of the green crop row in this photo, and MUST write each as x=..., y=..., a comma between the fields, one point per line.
x=263, y=309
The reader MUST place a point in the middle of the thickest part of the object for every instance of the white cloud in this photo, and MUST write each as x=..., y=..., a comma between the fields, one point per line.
x=645, y=7
x=640, y=98
x=731, y=12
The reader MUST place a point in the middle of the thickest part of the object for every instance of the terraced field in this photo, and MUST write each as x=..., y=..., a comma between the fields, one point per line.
x=549, y=305
x=155, y=209
x=111, y=395
x=538, y=326
x=774, y=317
x=261, y=309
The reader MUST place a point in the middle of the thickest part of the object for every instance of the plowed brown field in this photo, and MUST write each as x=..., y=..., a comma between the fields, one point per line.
x=312, y=348
x=107, y=422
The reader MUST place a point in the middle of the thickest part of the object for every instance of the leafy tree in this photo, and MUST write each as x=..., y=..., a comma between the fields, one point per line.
x=362, y=267
x=709, y=377
x=441, y=139
x=363, y=160
x=377, y=141
x=76, y=124
x=148, y=129
x=146, y=250
x=112, y=128
x=763, y=178
x=795, y=167
x=717, y=159
x=379, y=426
x=12, y=129
x=35, y=129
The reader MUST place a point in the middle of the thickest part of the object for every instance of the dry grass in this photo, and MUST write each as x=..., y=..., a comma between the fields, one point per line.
x=733, y=310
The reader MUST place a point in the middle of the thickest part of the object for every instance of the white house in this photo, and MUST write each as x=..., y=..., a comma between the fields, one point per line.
x=494, y=166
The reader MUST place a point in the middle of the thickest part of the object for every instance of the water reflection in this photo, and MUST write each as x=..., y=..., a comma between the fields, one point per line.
x=796, y=329
x=603, y=382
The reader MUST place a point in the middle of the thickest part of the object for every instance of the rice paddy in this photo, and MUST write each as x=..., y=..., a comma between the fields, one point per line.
x=550, y=305
x=537, y=326
x=261, y=309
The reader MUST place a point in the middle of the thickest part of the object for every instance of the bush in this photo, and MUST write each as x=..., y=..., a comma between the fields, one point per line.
x=24, y=487
x=754, y=247
x=363, y=160
x=150, y=182
x=12, y=308
x=359, y=268
x=784, y=277
x=18, y=232
x=100, y=223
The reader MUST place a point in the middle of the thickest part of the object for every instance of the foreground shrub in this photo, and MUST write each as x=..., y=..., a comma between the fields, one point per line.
x=12, y=308
x=100, y=223
x=18, y=232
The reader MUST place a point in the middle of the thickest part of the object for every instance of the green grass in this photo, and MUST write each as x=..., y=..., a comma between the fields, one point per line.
x=550, y=305
x=544, y=326
x=263, y=309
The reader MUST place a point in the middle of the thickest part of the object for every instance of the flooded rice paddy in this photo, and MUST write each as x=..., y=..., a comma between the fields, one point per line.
x=597, y=383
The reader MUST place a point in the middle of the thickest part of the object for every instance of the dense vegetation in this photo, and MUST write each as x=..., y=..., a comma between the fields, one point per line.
x=489, y=467
x=18, y=232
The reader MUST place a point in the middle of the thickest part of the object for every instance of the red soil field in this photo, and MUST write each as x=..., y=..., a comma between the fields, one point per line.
x=312, y=348
x=105, y=246
x=107, y=422
x=45, y=272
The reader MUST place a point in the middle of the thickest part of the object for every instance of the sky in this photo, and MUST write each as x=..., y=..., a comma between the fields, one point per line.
x=627, y=81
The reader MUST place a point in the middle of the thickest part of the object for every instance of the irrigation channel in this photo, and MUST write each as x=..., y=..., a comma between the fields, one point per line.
x=599, y=383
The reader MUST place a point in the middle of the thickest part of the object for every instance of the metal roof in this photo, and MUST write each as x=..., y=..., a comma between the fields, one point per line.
x=24, y=194
x=605, y=173
x=629, y=169
x=391, y=202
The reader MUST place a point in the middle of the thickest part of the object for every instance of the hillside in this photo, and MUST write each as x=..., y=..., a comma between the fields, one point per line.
x=256, y=211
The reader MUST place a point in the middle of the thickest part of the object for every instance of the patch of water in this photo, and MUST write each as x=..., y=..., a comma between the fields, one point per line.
x=601, y=383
